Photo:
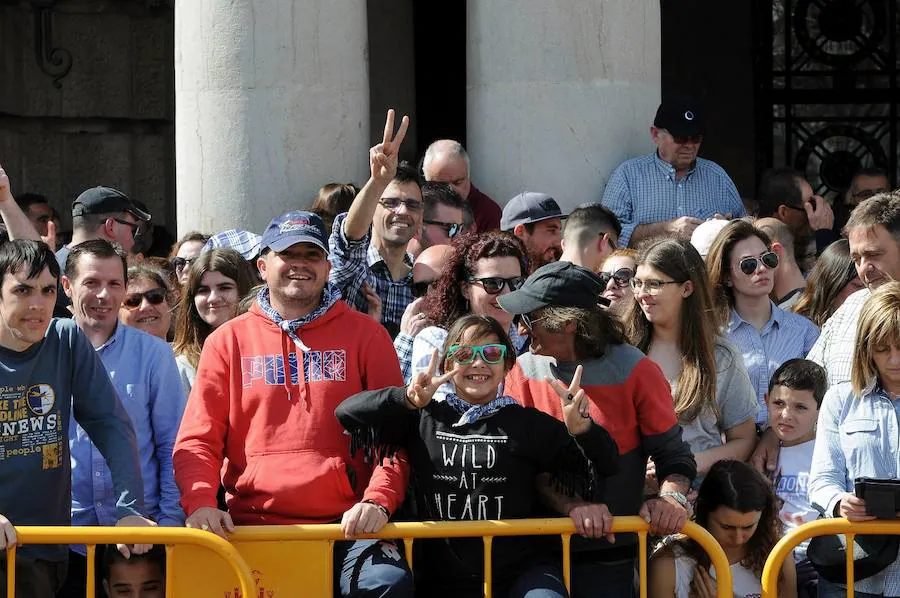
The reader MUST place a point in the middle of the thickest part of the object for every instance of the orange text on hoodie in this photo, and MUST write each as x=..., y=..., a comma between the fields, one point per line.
x=265, y=407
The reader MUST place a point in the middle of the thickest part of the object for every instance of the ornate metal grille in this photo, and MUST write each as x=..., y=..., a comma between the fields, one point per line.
x=827, y=73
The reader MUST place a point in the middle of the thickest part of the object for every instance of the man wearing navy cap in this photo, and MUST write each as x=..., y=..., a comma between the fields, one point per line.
x=671, y=191
x=263, y=404
x=537, y=220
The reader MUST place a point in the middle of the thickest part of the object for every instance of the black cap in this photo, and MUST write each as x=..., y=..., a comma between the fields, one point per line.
x=527, y=208
x=679, y=117
x=560, y=284
x=106, y=200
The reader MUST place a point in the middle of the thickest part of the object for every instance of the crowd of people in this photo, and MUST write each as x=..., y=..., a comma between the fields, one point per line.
x=408, y=350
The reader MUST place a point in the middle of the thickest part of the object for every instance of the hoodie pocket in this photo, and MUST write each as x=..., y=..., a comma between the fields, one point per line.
x=303, y=484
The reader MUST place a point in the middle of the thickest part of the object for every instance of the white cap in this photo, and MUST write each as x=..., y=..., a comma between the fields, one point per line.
x=704, y=235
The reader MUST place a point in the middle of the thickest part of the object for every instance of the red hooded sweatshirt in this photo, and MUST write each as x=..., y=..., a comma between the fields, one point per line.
x=265, y=406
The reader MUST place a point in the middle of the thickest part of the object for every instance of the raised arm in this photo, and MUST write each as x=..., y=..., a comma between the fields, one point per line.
x=17, y=223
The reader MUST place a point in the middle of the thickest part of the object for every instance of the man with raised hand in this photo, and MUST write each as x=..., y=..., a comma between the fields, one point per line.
x=368, y=244
x=263, y=404
x=50, y=373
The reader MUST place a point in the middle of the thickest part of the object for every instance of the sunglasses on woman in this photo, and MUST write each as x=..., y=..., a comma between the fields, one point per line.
x=420, y=288
x=748, y=265
x=153, y=296
x=493, y=285
x=180, y=263
x=465, y=354
x=622, y=277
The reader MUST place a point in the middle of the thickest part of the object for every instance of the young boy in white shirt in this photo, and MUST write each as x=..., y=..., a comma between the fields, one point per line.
x=795, y=395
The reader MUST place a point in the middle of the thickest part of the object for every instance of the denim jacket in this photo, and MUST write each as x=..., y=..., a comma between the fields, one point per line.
x=857, y=436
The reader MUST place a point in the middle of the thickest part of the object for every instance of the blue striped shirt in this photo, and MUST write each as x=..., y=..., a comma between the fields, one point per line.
x=785, y=336
x=356, y=262
x=644, y=190
x=856, y=437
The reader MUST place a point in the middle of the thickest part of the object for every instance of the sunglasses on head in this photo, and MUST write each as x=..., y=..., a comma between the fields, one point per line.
x=749, y=265
x=465, y=354
x=392, y=203
x=622, y=277
x=420, y=288
x=153, y=296
x=493, y=285
x=179, y=263
x=451, y=228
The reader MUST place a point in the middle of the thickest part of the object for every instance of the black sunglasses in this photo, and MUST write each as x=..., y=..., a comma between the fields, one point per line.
x=392, y=203
x=420, y=288
x=134, y=226
x=622, y=276
x=493, y=285
x=769, y=259
x=153, y=296
x=179, y=263
x=451, y=228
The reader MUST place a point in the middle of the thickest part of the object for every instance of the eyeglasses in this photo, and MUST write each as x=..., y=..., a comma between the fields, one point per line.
x=651, y=286
x=769, y=259
x=451, y=228
x=153, y=296
x=528, y=322
x=134, y=226
x=622, y=276
x=867, y=193
x=493, y=285
x=420, y=288
x=392, y=203
x=465, y=354
x=180, y=263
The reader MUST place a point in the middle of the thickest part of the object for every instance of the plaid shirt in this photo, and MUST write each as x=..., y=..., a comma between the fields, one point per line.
x=356, y=262
x=644, y=190
x=785, y=336
x=834, y=349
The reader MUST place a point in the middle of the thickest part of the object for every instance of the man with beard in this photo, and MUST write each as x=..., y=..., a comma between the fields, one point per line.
x=671, y=191
x=786, y=196
x=537, y=220
x=263, y=404
x=368, y=243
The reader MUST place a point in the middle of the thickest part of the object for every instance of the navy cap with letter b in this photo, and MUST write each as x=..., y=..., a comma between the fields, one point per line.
x=292, y=228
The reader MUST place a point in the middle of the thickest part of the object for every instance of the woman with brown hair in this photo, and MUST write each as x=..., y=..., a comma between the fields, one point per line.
x=333, y=199
x=217, y=281
x=831, y=281
x=148, y=301
x=671, y=321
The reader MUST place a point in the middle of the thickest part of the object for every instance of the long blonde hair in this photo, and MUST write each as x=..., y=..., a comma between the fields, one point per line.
x=696, y=385
x=879, y=325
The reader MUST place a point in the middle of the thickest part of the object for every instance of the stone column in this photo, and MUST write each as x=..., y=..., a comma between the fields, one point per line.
x=559, y=93
x=271, y=102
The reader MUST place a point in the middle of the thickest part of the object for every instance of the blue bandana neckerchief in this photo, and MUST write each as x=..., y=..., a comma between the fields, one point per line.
x=472, y=413
x=330, y=295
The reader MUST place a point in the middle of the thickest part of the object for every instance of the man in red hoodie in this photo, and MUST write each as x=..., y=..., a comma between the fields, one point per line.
x=263, y=404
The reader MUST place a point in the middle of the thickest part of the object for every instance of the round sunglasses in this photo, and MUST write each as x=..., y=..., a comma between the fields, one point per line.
x=153, y=296
x=749, y=265
x=493, y=285
x=622, y=277
x=465, y=354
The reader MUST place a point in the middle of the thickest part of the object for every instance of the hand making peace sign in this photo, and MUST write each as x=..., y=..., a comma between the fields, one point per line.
x=424, y=384
x=574, y=403
x=383, y=157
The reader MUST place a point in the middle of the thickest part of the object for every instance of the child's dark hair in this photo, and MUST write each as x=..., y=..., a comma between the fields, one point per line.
x=801, y=374
x=481, y=326
x=112, y=556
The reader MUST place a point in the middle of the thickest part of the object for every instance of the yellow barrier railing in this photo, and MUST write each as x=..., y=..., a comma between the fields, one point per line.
x=91, y=536
x=488, y=530
x=821, y=527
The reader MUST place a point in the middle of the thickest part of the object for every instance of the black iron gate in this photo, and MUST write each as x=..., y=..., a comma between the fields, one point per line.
x=828, y=90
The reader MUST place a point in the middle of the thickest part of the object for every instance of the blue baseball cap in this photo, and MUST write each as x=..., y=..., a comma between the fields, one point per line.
x=292, y=228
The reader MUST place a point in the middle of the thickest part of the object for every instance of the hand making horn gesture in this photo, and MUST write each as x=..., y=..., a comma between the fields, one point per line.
x=383, y=157
x=574, y=403
x=424, y=384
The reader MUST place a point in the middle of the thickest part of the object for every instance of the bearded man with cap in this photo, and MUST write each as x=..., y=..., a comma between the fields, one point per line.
x=263, y=404
x=671, y=191
x=627, y=394
x=537, y=220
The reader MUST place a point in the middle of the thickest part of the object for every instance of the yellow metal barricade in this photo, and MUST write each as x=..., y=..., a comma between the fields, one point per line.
x=227, y=554
x=290, y=558
x=821, y=527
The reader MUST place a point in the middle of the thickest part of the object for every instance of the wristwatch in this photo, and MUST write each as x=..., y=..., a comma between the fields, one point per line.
x=678, y=496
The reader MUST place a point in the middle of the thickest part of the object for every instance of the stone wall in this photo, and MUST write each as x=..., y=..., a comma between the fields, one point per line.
x=110, y=122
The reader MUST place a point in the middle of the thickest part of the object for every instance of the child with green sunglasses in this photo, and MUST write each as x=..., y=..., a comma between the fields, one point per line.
x=476, y=456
